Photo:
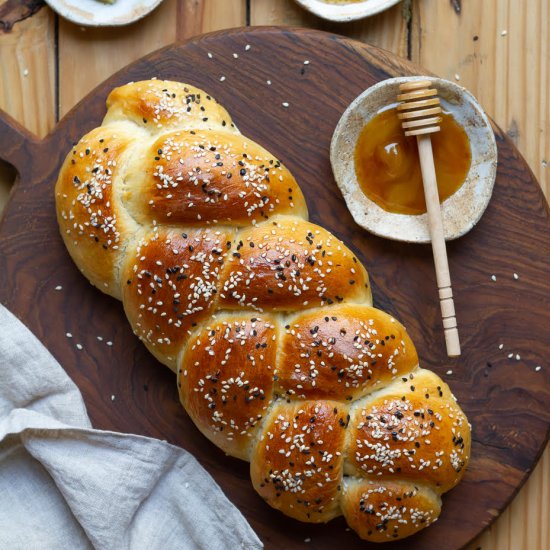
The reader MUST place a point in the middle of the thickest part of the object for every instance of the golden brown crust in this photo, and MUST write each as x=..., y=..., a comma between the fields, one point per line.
x=413, y=429
x=225, y=378
x=386, y=510
x=289, y=264
x=203, y=235
x=170, y=285
x=162, y=105
x=343, y=353
x=297, y=464
x=94, y=226
x=204, y=177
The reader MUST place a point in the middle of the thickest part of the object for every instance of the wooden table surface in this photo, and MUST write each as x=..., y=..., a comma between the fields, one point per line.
x=496, y=48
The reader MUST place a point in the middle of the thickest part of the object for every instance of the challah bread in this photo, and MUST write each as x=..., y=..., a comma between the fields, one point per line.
x=267, y=319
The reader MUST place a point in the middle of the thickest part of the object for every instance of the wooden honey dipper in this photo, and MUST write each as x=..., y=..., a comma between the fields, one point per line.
x=419, y=110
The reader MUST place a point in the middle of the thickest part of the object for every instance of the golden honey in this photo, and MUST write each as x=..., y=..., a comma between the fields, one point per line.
x=388, y=167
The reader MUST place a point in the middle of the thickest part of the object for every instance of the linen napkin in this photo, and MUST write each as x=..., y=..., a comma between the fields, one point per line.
x=64, y=485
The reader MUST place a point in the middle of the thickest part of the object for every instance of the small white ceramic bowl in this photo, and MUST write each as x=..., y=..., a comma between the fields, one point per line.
x=93, y=13
x=462, y=210
x=346, y=12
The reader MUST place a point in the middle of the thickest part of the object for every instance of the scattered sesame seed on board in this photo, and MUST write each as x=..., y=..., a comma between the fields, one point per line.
x=69, y=335
x=457, y=77
x=516, y=276
x=236, y=55
x=247, y=47
x=210, y=56
x=109, y=343
x=306, y=62
x=449, y=372
x=285, y=104
x=222, y=78
x=518, y=356
x=538, y=368
x=100, y=338
x=500, y=346
x=268, y=82
x=79, y=346
x=26, y=72
x=493, y=277
x=58, y=287
x=307, y=540
x=504, y=33
x=510, y=355
x=112, y=397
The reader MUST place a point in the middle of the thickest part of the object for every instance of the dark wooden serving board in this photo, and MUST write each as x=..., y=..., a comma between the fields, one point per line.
x=506, y=400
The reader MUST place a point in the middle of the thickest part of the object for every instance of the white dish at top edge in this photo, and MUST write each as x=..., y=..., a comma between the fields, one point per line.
x=346, y=12
x=93, y=13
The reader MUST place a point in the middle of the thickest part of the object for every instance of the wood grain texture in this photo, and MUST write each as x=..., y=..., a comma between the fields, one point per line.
x=27, y=72
x=386, y=30
x=507, y=401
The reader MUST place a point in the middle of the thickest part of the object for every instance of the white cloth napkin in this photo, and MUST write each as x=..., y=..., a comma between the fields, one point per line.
x=64, y=485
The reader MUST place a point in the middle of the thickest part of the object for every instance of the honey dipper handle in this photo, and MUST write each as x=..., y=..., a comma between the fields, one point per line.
x=438, y=245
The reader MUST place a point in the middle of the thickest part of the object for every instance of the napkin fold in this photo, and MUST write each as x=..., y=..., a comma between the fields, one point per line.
x=65, y=485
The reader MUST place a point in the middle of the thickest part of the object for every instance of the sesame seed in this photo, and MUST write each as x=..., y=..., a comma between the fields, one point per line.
x=109, y=343
x=493, y=277
x=222, y=78
x=26, y=72
x=449, y=372
x=518, y=357
x=538, y=368
x=210, y=55
x=516, y=276
x=306, y=62
x=79, y=346
x=457, y=77
x=69, y=335
x=504, y=33
x=285, y=104
x=501, y=346
x=247, y=47
x=58, y=287
x=268, y=82
x=112, y=397
x=307, y=540
x=236, y=55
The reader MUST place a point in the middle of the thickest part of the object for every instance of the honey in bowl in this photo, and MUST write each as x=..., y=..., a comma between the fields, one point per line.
x=388, y=168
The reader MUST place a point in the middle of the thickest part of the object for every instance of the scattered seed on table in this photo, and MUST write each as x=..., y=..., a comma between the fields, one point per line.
x=285, y=104
x=58, y=287
x=69, y=335
x=516, y=276
x=538, y=368
x=79, y=346
x=500, y=346
x=493, y=277
x=449, y=372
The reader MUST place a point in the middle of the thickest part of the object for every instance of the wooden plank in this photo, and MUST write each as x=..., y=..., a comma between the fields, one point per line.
x=27, y=72
x=386, y=30
x=209, y=15
x=490, y=60
x=104, y=51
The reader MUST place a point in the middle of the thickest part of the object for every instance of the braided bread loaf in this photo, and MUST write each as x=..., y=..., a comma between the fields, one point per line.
x=265, y=317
